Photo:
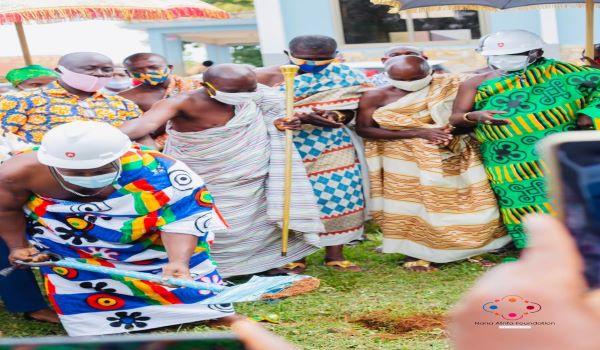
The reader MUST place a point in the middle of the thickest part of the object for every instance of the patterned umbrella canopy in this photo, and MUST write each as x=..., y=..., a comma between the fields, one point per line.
x=402, y=5
x=424, y=5
x=41, y=11
x=15, y=11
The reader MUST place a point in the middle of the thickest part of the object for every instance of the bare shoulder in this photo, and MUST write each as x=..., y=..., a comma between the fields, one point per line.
x=377, y=94
x=269, y=75
x=19, y=170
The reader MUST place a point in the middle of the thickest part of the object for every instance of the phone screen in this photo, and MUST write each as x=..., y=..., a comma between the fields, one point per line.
x=579, y=171
x=165, y=341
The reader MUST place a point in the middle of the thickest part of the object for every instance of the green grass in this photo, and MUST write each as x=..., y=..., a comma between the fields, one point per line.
x=324, y=319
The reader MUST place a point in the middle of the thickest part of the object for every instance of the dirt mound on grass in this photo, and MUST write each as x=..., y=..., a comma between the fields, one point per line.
x=383, y=321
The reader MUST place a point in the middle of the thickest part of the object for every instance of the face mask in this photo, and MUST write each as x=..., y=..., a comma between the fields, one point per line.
x=308, y=66
x=119, y=84
x=509, y=63
x=231, y=98
x=83, y=82
x=413, y=85
x=153, y=77
x=98, y=181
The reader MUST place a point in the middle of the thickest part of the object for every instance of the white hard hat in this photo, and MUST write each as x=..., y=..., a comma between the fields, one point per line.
x=82, y=145
x=508, y=42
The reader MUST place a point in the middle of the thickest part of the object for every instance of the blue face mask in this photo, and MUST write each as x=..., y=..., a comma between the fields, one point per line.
x=97, y=181
x=309, y=66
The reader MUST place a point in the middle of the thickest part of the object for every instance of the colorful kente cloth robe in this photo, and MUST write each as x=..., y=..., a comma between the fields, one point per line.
x=330, y=154
x=155, y=194
x=432, y=203
x=542, y=100
x=31, y=114
x=242, y=163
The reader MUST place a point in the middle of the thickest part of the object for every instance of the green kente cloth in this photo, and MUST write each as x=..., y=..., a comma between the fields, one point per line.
x=542, y=100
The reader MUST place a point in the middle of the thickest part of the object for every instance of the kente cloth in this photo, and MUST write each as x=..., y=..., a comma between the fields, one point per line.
x=176, y=86
x=432, y=203
x=155, y=194
x=332, y=156
x=18, y=75
x=31, y=114
x=542, y=100
x=243, y=166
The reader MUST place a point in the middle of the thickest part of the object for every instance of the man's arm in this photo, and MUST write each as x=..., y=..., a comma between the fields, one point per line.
x=368, y=128
x=180, y=248
x=589, y=117
x=13, y=196
x=161, y=112
x=464, y=103
x=13, y=112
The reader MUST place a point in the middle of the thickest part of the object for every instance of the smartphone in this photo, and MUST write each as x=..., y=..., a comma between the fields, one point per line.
x=573, y=164
x=165, y=341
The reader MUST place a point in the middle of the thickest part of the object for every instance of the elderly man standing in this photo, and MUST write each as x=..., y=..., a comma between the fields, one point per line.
x=225, y=132
x=381, y=79
x=511, y=108
x=327, y=95
x=75, y=96
x=31, y=77
x=87, y=194
x=430, y=192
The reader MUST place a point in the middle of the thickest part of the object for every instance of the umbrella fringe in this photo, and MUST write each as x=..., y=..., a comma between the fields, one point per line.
x=108, y=13
x=395, y=6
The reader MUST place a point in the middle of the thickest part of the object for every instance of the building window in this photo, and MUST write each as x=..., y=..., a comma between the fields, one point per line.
x=364, y=22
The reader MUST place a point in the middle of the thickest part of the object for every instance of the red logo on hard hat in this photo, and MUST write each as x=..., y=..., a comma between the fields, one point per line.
x=70, y=154
x=500, y=44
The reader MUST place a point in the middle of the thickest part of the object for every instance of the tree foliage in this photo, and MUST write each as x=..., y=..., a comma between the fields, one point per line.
x=233, y=5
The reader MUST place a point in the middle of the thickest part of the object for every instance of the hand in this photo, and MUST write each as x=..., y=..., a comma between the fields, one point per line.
x=436, y=136
x=590, y=61
x=29, y=254
x=487, y=117
x=562, y=294
x=585, y=122
x=283, y=124
x=256, y=337
x=176, y=270
x=321, y=117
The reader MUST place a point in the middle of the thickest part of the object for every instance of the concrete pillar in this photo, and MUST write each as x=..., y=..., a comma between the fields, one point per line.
x=219, y=53
x=271, y=31
x=169, y=46
x=549, y=32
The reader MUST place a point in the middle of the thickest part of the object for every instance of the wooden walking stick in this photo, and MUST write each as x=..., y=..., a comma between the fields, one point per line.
x=289, y=73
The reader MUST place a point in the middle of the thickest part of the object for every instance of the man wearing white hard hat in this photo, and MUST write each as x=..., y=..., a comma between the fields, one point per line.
x=525, y=98
x=88, y=194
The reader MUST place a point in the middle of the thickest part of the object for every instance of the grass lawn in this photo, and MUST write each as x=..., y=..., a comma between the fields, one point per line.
x=385, y=297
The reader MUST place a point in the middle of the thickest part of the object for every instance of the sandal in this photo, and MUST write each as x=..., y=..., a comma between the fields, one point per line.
x=295, y=268
x=344, y=265
x=419, y=266
x=481, y=261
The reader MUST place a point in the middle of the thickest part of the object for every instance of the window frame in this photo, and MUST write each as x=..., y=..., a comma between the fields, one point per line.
x=338, y=27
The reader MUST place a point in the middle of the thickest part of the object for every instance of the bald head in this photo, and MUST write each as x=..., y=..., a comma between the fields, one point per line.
x=402, y=50
x=407, y=68
x=231, y=77
x=89, y=63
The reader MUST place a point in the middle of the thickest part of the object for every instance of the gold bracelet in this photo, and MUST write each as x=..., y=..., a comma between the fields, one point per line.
x=464, y=117
x=341, y=117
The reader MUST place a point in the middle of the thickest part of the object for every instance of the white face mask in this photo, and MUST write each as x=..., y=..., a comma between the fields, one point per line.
x=509, y=63
x=231, y=98
x=93, y=182
x=413, y=85
x=234, y=98
x=119, y=84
